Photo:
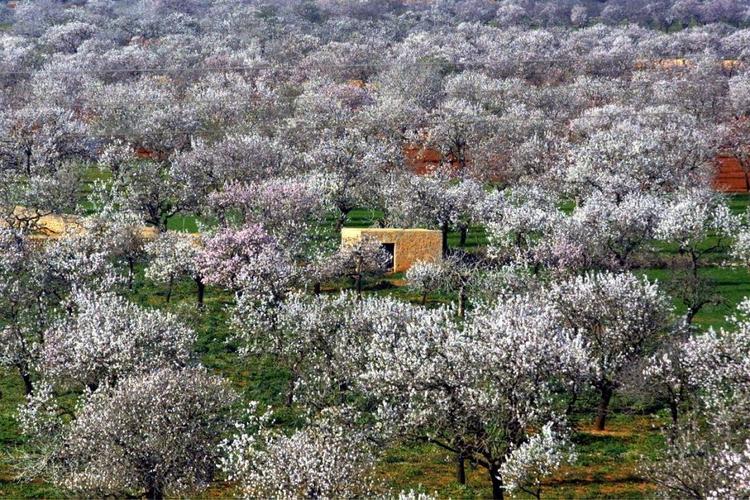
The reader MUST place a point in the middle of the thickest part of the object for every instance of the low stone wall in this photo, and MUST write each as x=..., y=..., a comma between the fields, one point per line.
x=56, y=226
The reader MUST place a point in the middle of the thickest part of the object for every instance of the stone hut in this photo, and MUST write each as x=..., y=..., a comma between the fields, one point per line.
x=407, y=246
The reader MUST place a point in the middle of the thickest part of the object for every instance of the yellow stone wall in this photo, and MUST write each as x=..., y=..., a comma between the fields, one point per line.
x=410, y=245
x=56, y=226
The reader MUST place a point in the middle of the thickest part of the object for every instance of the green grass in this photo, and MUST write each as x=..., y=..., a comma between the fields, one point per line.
x=361, y=217
x=732, y=285
x=11, y=389
x=738, y=203
x=183, y=223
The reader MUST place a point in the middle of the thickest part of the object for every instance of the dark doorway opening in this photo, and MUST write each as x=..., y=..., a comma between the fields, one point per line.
x=390, y=249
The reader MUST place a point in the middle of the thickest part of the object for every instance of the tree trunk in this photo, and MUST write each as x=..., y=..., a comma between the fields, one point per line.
x=674, y=413
x=497, y=483
x=358, y=285
x=690, y=315
x=462, y=302
x=424, y=298
x=201, y=292
x=28, y=162
x=444, y=230
x=464, y=231
x=131, y=273
x=154, y=493
x=169, y=289
x=316, y=288
x=694, y=264
x=601, y=414
x=460, y=469
x=28, y=386
x=290, y=391
x=341, y=220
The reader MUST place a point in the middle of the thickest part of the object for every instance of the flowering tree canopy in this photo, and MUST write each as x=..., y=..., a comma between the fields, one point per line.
x=155, y=434
x=621, y=318
x=325, y=459
x=108, y=338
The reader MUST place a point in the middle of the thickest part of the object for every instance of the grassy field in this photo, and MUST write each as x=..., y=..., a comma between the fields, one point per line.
x=606, y=466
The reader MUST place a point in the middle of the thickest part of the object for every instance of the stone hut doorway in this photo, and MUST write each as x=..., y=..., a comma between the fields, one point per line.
x=390, y=249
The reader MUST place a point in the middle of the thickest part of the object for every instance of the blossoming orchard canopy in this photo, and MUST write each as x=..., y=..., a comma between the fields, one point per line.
x=406, y=246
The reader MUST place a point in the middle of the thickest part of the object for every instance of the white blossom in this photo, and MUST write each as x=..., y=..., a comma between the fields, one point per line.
x=108, y=338
x=153, y=434
x=322, y=460
x=536, y=459
x=172, y=256
x=622, y=319
x=425, y=278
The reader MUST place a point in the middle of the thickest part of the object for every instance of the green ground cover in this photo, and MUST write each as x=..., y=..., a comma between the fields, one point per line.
x=607, y=463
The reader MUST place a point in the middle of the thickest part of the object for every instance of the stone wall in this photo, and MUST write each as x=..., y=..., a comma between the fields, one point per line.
x=55, y=226
x=730, y=178
x=410, y=245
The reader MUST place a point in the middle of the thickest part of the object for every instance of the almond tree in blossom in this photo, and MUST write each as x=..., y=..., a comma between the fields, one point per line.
x=706, y=455
x=431, y=388
x=621, y=318
x=172, y=256
x=152, y=434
